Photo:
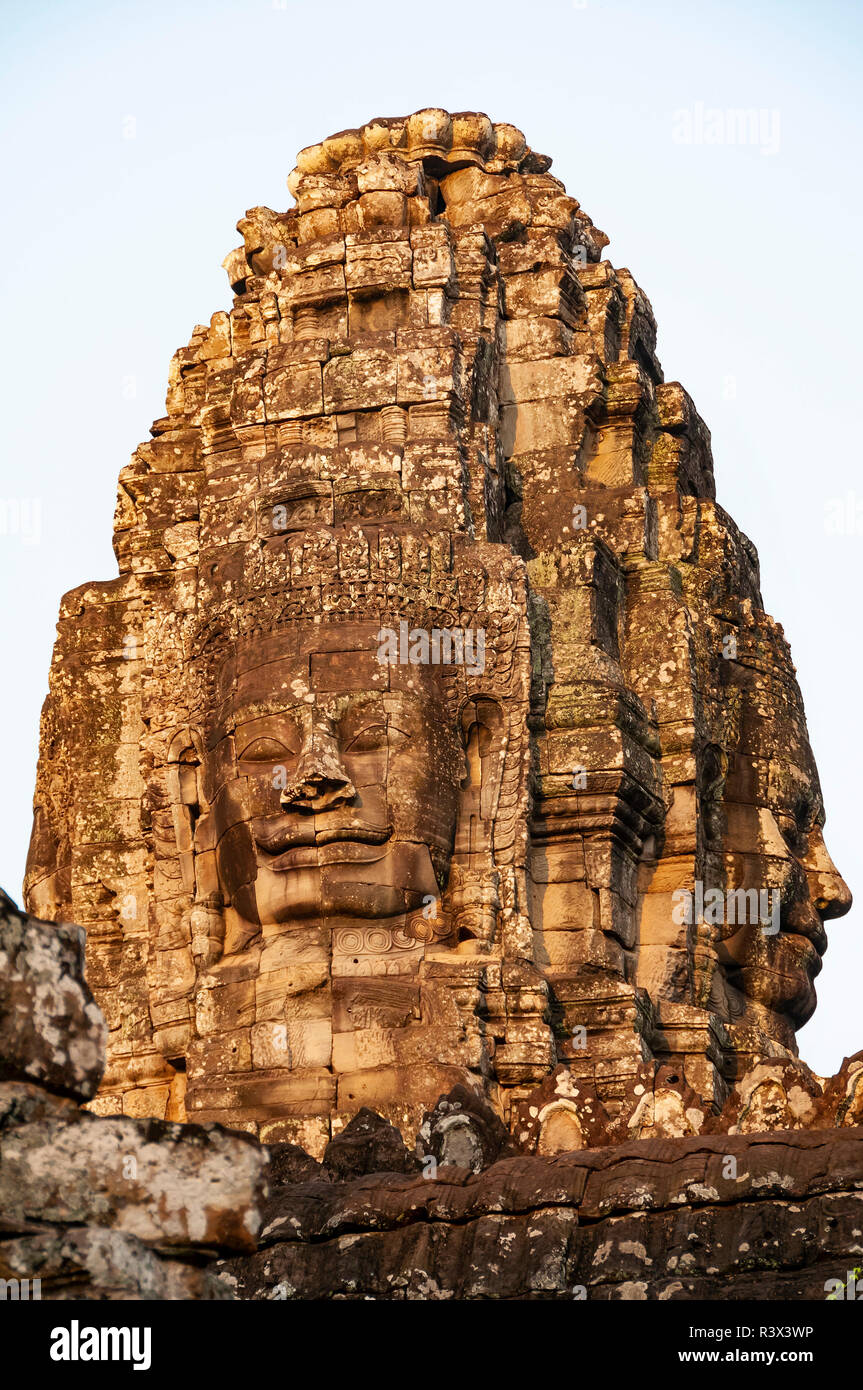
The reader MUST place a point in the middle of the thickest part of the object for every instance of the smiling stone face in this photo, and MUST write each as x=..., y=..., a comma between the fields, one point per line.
x=773, y=839
x=335, y=782
x=353, y=812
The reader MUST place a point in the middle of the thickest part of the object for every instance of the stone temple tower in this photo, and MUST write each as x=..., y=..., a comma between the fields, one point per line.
x=433, y=730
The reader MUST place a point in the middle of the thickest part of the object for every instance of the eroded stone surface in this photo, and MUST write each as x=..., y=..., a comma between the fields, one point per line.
x=464, y=1131
x=101, y=1208
x=166, y=1184
x=774, y=1095
x=727, y=1217
x=97, y=1263
x=369, y=1144
x=51, y=1031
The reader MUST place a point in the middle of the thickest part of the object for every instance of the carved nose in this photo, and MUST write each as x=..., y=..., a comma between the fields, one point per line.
x=828, y=889
x=321, y=781
x=318, y=792
x=834, y=897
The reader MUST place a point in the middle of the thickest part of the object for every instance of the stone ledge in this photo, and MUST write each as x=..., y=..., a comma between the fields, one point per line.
x=646, y=1220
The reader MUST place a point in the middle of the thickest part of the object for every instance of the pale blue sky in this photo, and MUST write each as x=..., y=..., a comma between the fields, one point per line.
x=137, y=134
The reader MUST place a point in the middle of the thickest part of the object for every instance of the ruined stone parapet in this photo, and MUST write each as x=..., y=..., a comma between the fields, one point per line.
x=100, y=1208
x=772, y=1216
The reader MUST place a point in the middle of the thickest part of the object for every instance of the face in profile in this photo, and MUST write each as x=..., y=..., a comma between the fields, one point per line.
x=334, y=779
x=773, y=840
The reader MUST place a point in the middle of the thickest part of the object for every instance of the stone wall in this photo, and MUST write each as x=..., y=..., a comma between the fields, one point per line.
x=770, y=1216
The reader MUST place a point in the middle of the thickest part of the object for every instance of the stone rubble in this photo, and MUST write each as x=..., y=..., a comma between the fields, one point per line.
x=101, y=1208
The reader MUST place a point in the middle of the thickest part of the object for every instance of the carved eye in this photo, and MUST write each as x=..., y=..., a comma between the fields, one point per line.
x=791, y=836
x=796, y=827
x=376, y=736
x=265, y=750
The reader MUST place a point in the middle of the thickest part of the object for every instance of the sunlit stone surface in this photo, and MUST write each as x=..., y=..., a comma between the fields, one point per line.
x=433, y=680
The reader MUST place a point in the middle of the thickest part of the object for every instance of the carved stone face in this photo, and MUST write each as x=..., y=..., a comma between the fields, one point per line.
x=335, y=781
x=774, y=822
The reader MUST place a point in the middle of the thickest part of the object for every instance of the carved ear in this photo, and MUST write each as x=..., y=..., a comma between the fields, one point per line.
x=712, y=773
x=186, y=800
x=484, y=741
x=472, y=901
x=193, y=830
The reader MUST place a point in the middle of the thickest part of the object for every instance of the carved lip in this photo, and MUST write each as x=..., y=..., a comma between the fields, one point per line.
x=335, y=852
x=817, y=944
x=811, y=930
x=298, y=846
x=361, y=834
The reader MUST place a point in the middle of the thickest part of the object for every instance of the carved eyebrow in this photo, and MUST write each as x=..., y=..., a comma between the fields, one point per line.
x=279, y=744
x=388, y=730
x=244, y=726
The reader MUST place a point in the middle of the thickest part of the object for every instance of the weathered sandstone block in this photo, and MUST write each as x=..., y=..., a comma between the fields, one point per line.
x=168, y=1185
x=51, y=1031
